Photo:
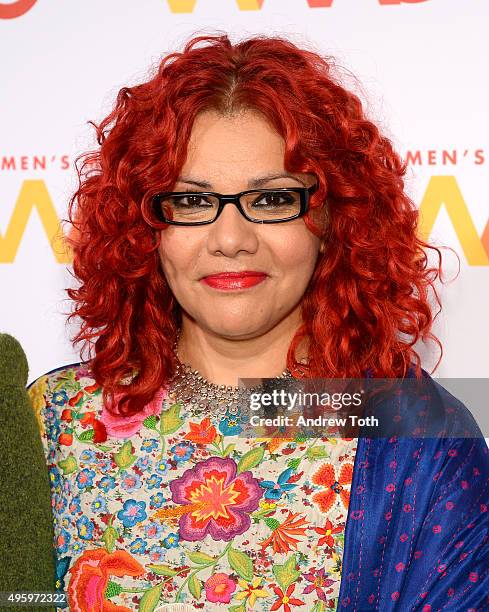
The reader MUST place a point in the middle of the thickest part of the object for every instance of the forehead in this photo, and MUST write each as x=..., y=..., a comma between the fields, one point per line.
x=239, y=144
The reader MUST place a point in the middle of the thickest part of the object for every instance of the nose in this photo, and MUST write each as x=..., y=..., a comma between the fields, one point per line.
x=231, y=233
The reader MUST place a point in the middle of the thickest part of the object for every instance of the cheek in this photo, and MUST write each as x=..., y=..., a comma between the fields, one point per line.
x=176, y=254
x=297, y=252
x=165, y=260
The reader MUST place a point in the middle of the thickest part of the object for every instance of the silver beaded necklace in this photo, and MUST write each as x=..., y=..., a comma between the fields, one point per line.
x=189, y=386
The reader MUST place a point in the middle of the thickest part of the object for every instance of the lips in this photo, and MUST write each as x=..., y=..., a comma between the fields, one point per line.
x=236, y=274
x=234, y=280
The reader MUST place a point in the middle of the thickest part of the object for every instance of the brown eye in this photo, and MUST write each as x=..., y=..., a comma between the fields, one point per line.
x=275, y=199
x=190, y=201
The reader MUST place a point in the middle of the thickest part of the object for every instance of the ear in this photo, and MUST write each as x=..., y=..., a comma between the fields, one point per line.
x=322, y=247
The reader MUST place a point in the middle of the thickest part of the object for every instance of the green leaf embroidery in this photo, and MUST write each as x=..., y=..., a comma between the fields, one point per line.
x=293, y=464
x=250, y=459
x=124, y=458
x=162, y=570
x=103, y=447
x=316, y=452
x=195, y=586
x=86, y=436
x=109, y=538
x=170, y=420
x=272, y=523
x=150, y=599
x=240, y=608
x=200, y=558
x=228, y=450
x=241, y=564
x=286, y=574
x=68, y=465
x=262, y=514
x=112, y=589
x=150, y=422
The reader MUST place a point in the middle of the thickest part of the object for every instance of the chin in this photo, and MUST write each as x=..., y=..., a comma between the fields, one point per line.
x=236, y=332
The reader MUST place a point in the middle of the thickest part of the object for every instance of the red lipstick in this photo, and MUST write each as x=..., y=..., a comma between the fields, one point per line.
x=234, y=280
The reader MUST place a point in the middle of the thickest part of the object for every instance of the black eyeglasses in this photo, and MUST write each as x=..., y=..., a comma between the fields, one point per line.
x=198, y=208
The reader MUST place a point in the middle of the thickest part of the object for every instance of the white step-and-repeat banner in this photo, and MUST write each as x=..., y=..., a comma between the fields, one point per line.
x=420, y=66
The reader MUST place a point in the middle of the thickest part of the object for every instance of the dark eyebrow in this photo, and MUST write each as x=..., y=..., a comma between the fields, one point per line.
x=191, y=181
x=253, y=184
x=263, y=180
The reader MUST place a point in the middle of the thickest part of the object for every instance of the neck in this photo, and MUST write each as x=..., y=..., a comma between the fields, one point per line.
x=222, y=360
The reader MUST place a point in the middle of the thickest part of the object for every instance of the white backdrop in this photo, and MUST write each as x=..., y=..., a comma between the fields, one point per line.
x=421, y=69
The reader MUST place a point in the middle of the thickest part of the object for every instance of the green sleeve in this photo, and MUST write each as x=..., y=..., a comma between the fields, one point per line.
x=26, y=518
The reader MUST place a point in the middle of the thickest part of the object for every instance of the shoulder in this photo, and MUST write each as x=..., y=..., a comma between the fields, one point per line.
x=65, y=387
x=445, y=405
x=425, y=407
x=63, y=378
x=434, y=422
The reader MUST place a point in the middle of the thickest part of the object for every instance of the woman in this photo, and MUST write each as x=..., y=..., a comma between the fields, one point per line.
x=314, y=269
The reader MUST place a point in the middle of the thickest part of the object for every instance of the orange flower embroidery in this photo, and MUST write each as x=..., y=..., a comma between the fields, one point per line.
x=274, y=444
x=90, y=575
x=282, y=533
x=326, y=477
x=202, y=433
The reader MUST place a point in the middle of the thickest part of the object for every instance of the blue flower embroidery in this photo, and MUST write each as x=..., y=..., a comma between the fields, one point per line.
x=171, y=541
x=85, y=478
x=88, y=456
x=153, y=530
x=149, y=445
x=85, y=528
x=144, y=463
x=63, y=541
x=182, y=451
x=274, y=490
x=138, y=546
x=162, y=467
x=156, y=554
x=59, y=398
x=107, y=483
x=157, y=500
x=99, y=504
x=132, y=512
x=153, y=481
x=74, y=506
x=130, y=482
x=230, y=425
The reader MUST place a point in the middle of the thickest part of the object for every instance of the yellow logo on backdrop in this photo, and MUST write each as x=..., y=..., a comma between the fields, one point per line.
x=445, y=190
x=33, y=194
x=20, y=7
x=188, y=6
x=441, y=190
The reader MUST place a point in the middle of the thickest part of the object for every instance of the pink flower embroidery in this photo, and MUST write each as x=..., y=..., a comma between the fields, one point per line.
x=127, y=426
x=318, y=581
x=219, y=501
x=219, y=588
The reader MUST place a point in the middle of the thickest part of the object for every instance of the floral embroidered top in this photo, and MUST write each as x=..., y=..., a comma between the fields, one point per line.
x=173, y=506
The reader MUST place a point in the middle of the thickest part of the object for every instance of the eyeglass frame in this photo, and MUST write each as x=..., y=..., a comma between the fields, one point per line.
x=304, y=193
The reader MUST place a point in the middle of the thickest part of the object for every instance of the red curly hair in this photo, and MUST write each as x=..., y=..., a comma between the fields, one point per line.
x=368, y=300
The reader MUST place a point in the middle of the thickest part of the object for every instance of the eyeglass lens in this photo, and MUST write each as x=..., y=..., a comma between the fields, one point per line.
x=196, y=207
